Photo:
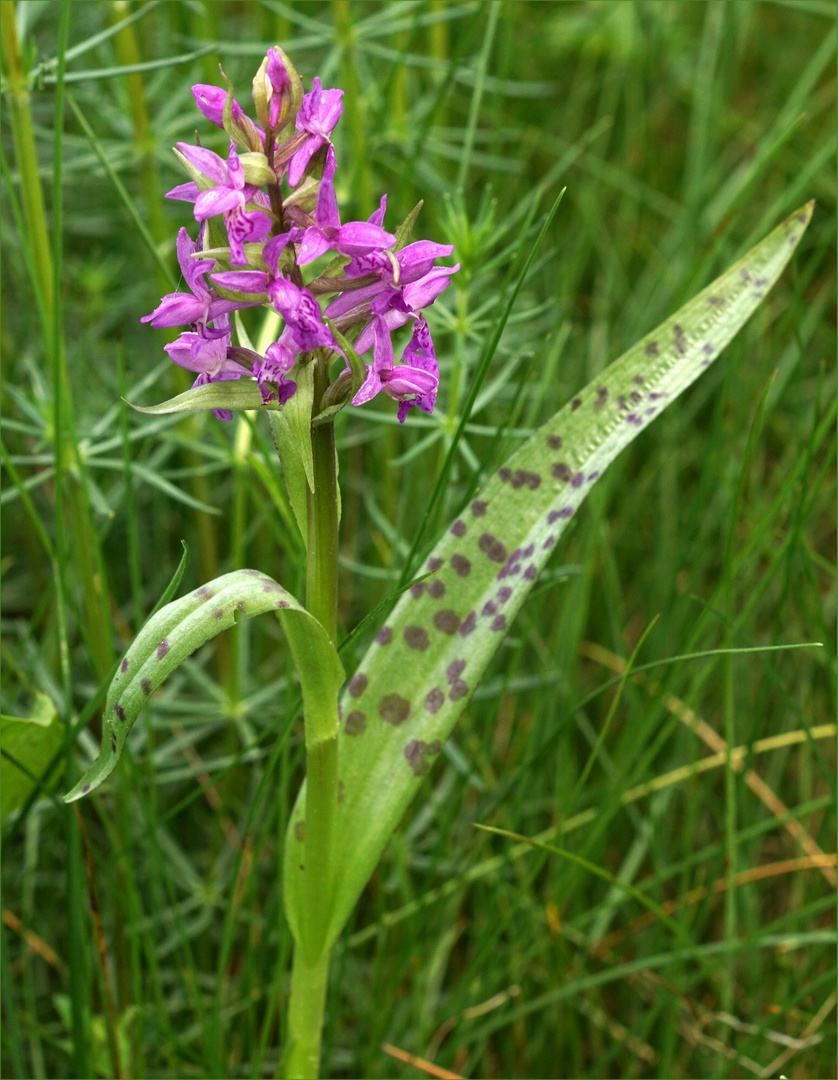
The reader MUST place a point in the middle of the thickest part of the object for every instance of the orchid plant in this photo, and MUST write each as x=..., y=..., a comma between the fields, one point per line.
x=263, y=215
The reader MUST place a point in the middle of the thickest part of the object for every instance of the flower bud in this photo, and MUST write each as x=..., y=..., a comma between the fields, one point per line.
x=277, y=90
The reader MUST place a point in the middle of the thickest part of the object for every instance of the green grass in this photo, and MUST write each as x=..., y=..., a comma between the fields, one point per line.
x=683, y=133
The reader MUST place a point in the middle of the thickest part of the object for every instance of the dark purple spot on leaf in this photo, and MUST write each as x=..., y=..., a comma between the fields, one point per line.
x=434, y=563
x=602, y=397
x=414, y=754
x=300, y=830
x=635, y=397
x=417, y=589
x=120, y=712
x=594, y=475
x=680, y=347
x=461, y=565
x=204, y=593
x=459, y=689
x=384, y=636
x=639, y=380
x=561, y=471
x=416, y=637
x=281, y=604
x=578, y=480
x=162, y=648
x=716, y=301
x=434, y=700
x=218, y=613
x=745, y=274
x=356, y=723
x=478, y=508
x=357, y=684
x=113, y=744
x=469, y=623
x=458, y=528
x=146, y=686
x=436, y=589
x=85, y=789
x=652, y=349
x=124, y=665
x=447, y=621
x=489, y=608
x=574, y=405
x=548, y=543
x=499, y=622
x=531, y=572
x=554, y=515
x=504, y=594
x=455, y=670
x=708, y=348
x=394, y=709
x=554, y=442
x=504, y=475
x=270, y=586
x=492, y=548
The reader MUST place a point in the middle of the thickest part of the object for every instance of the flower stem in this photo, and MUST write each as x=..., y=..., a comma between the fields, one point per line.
x=311, y=962
x=305, y=1016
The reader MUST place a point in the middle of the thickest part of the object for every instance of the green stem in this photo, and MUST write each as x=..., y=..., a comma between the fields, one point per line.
x=305, y=1016
x=311, y=961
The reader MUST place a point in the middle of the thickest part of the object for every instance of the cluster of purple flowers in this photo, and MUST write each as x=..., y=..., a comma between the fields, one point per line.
x=266, y=231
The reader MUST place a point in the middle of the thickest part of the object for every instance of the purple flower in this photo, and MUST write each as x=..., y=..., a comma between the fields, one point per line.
x=414, y=381
x=318, y=115
x=198, y=306
x=278, y=360
x=297, y=306
x=207, y=355
x=229, y=197
x=211, y=99
x=416, y=285
x=301, y=313
x=358, y=238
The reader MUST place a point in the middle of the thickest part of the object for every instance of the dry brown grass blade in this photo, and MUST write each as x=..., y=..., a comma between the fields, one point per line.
x=419, y=1063
x=35, y=943
x=710, y=737
x=744, y=877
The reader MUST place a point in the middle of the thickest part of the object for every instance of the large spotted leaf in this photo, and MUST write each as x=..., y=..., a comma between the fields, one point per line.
x=181, y=627
x=416, y=679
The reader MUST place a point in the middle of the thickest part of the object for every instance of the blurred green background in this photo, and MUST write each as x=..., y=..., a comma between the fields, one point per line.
x=683, y=133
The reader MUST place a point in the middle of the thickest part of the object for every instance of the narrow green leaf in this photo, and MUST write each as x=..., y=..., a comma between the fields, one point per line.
x=28, y=745
x=181, y=627
x=235, y=394
x=418, y=676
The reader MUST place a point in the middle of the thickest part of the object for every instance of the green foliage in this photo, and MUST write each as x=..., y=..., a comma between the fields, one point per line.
x=181, y=627
x=682, y=132
x=413, y=684
x=28, y=745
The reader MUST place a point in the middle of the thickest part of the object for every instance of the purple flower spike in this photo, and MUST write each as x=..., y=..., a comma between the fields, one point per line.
x=198, y=306
x=358, y=238
x=230, y=198
x=318, y=115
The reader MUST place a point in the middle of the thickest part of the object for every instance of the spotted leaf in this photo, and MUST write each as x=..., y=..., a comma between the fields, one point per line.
x=181, y=627
x=417, y=677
